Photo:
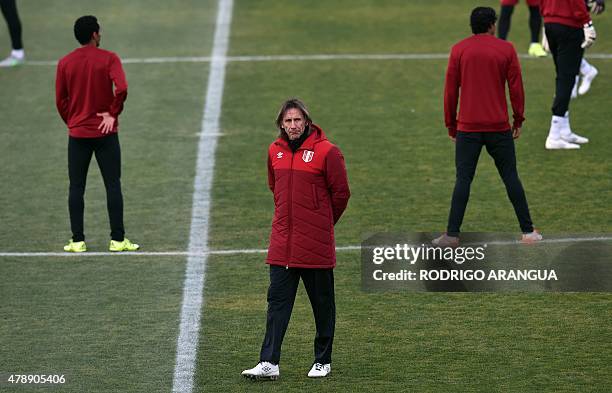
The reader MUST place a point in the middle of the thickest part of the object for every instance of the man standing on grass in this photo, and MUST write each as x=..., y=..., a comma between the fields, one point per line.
x=17, y=55
x=569, y=30
x=307, y=175
x=478, y=69
x=535, y=24
x=86, y=102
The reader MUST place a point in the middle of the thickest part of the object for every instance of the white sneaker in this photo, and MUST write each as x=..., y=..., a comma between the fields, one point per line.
x=446, y=241
x=12, y=61
x=558, y=143
x=574, y=138
x=532, y=237
x=263, y=370
x=587, y=79
x=319, y=370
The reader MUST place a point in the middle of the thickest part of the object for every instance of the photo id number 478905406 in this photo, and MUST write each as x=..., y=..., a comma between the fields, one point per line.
x=33, y=379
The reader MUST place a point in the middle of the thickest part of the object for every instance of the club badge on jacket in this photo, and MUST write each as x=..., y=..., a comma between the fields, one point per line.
x=307, y=155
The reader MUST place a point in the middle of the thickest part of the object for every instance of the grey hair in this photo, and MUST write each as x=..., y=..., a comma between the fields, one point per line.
x=292, y=103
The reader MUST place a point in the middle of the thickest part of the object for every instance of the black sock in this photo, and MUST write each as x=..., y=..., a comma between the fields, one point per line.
x=535, y=23
x=505, y=16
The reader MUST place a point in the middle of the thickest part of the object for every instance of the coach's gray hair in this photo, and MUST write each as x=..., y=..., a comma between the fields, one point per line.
x=292, y=103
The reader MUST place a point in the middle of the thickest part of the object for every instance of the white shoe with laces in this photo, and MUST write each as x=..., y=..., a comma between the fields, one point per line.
x=319, y=370
x=263, y=371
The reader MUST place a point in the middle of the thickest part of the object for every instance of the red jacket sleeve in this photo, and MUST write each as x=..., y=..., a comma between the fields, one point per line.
x=517, y=94
x=451, y=93
x=118, y=77
x=61, y=93
x=337, y=182
x=270, y=174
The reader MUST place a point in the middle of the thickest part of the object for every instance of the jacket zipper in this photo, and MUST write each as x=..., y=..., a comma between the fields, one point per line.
x=289, y=215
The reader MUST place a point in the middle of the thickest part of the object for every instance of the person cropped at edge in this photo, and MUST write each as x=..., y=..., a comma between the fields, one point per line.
x=17, y=55
x=569, y=30
x=87, y=104
x=479, y=67
x=535, y=24
x=307, y=175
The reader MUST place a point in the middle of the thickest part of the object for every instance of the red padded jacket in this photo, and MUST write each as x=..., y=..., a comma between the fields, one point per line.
x=311, y=192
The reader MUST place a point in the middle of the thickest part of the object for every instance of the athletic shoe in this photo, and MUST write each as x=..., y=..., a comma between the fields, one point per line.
x=446, y=241
x=125, y=245
x=559, y=144
x=536, y=50
x=587, y=79
x=75, y=247
x=532, y=237
x=574, y=138
x=12, y=61
x=263, y=371
x=319, y=370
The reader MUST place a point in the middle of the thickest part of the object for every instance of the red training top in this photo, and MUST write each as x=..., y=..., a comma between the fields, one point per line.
x=572, y=13
x=478, y=69
x=84, y=87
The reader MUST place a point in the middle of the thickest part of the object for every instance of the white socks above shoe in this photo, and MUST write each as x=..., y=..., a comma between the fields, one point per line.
x=557, y=123
x=18, y=54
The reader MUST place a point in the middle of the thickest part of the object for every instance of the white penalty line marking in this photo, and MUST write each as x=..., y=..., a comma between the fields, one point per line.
x=315, y=57
x=262, y=250
x=195, y=273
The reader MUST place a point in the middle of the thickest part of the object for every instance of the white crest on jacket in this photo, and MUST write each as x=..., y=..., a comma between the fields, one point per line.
x=279, y=154
x=307, y=156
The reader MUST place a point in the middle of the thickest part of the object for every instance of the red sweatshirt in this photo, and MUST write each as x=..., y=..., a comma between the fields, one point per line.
x=572, y=13
x=84, y=87
x=478, y=69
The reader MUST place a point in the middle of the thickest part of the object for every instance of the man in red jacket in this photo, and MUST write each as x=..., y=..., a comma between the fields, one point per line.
x=307, y=175
x=478, y=69
x=86, y=102
x=569, y=30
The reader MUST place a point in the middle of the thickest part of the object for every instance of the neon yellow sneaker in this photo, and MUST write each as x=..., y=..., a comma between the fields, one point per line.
x=536, y=50
x=125, y=245
x=75, y=247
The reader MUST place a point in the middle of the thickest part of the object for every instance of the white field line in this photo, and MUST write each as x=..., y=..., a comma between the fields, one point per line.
x=315, y=57
x=195, y=274
x=242, y=251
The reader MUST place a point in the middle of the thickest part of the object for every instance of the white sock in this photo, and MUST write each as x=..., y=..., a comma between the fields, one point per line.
x=18, y=54
x=556, y=124
x=565, y=125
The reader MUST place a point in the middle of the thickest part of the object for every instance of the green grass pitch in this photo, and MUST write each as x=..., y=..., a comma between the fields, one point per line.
x=111, y=323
